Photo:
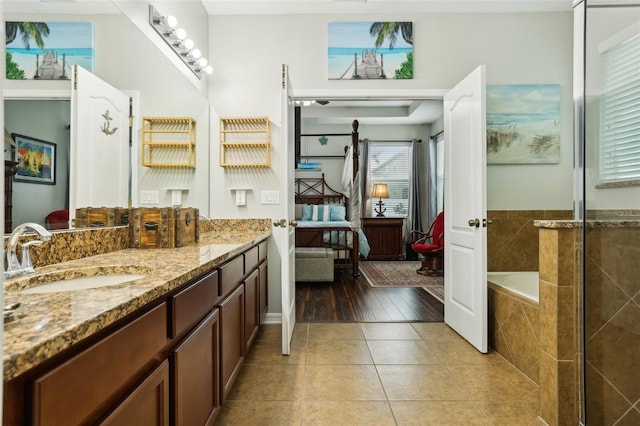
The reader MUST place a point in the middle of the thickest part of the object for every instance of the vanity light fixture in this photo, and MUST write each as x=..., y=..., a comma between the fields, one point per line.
x=177, y=39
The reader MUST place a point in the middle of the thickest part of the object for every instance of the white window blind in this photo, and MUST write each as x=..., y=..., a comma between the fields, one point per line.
x=620, y=112
x=389, y=163
x=440, y=172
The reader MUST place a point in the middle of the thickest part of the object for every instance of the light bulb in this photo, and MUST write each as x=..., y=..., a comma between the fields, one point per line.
x=181, y=34
x=196, y=53
x=208, y=69
x=188, y=44
x=171, y=21
x=203, y=62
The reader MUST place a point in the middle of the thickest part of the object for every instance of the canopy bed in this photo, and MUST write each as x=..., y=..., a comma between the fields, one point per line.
x=329, y=221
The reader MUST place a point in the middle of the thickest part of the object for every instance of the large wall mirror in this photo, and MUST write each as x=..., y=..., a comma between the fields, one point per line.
x=123, y=56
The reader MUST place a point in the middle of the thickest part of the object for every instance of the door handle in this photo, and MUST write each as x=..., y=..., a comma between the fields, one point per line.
x=281, y=222
x=486, y=222
x=474, y=222
x=293, y=223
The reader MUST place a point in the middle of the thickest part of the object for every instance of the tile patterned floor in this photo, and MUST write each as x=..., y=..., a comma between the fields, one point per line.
x=377, y=374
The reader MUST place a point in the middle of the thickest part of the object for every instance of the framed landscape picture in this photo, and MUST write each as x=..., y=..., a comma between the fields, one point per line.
x=523, y=124
x=36, y=160
x=47, y=50
x=370, y=50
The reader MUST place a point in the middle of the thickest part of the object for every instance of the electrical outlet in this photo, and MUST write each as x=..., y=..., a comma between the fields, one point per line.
x=241, y=197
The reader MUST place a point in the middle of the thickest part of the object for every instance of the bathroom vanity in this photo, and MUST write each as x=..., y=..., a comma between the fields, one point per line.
x=162, y=349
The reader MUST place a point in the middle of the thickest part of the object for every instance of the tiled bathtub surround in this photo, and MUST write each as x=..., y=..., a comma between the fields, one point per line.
x=512, y=240
x=513, y=329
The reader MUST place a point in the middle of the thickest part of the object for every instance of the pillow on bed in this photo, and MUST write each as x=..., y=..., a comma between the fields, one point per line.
x=337, y=212
x=298, y=211
x=323, y=212
x=315, y=212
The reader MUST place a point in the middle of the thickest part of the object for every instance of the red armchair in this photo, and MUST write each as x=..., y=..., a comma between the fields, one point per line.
x=58, y=219
x=431, y=246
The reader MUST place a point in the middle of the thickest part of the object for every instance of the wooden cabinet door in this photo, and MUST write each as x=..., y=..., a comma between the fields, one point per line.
x=148, y=404
x=196, y=375
x=231, y=338
x=251, y=308
x=264, y=291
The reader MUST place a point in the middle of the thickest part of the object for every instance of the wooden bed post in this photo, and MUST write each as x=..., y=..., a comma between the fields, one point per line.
x=355, y=142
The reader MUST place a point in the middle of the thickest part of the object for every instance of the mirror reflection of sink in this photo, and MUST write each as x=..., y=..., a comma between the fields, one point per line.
x=77, y=279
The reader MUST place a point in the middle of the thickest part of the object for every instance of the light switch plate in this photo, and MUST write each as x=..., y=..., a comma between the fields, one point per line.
x=150, y=197
x=270, y=197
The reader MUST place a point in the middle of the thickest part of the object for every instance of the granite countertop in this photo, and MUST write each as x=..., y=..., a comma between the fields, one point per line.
x=615, y=222
x=46, y=324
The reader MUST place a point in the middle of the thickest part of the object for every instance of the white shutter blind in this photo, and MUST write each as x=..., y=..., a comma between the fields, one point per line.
x=620, y=112
x=389, y=163
x=440, y=173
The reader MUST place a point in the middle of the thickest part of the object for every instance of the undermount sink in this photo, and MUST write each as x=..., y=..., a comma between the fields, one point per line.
x=83, y=283
x=77, y=279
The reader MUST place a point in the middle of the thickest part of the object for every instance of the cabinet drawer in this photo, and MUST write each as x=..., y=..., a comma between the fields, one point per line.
x=251, y=259
x=192, y=304
x=86, y=384
x=262, y=251
x=231, y=275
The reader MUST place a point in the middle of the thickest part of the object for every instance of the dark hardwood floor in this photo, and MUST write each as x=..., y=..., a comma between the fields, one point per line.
x=351, y=299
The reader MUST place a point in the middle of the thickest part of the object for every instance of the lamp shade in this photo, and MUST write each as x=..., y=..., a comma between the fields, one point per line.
x=380, y=190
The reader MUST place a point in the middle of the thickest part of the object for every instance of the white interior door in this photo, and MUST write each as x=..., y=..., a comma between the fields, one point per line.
x=99, y=146
x=286, y=230
x=465, y=258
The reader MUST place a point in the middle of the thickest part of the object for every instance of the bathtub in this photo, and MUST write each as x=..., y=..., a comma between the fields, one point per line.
x=524, y=284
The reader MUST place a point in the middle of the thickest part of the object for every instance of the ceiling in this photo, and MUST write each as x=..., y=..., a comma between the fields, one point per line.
x=272, y=7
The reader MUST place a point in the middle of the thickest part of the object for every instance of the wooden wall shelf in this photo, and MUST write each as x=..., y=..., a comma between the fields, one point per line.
x=169, y=142
x=245, y=142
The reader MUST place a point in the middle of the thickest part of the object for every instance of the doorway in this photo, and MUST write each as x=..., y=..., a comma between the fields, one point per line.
x=328, y=122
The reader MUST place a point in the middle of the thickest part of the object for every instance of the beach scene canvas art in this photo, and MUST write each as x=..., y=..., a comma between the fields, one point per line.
x=370, y=50
x=47, y=50
x=523, y=124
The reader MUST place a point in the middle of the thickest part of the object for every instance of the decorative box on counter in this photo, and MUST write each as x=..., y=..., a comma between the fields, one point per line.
x=163, y=227
x=92, y=217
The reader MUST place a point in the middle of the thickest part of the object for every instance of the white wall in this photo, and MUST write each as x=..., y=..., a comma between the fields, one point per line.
x=247, y=53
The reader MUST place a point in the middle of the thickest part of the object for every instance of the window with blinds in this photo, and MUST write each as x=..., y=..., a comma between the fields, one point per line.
x=389, y=163
x=620, y=110
x=440, y=173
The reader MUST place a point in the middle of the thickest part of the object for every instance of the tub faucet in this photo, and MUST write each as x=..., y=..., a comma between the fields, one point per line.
x=15, y=267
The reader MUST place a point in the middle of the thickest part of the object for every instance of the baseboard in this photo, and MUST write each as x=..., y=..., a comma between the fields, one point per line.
x=273, y=318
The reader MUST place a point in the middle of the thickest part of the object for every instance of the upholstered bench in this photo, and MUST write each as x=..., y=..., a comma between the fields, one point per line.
x=314, y=264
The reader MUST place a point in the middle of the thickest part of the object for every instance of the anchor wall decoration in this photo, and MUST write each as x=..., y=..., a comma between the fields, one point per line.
x=107, y=123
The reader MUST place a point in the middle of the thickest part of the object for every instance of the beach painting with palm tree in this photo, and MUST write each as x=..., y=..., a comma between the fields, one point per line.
x=523, y=124
x=47, y=50
x=370, y=50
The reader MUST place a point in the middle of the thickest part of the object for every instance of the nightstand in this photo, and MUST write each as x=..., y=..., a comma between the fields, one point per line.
x=385, y=237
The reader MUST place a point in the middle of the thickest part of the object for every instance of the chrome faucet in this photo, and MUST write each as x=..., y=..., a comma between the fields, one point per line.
x=15, y=267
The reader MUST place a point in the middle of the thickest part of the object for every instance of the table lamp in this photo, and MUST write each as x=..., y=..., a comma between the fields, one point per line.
x=381, y=191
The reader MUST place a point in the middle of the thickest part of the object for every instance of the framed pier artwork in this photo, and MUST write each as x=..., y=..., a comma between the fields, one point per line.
x=370, y=50
x=35, y=158
x=47, y=50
